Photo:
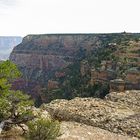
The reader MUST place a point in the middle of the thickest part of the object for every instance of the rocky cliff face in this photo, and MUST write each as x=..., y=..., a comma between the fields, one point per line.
x=41, y=57
x=41, y=54
x=67, y=61
x=7, y=43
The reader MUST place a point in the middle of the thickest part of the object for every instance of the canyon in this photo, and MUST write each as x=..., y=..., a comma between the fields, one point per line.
x=7, y=43
x=88, y=82
x=70, y=65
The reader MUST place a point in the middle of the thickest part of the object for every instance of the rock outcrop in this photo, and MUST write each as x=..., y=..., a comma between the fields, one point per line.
x=79, y=131
x=118, y=112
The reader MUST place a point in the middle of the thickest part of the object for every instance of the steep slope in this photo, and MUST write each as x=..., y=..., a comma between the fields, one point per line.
x=7, y=43
x=41, y=54
x=39, y=57
x=61, y=65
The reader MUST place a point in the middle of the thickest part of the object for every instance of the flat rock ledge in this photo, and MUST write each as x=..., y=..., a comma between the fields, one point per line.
x=118, y=112
x=78, y=131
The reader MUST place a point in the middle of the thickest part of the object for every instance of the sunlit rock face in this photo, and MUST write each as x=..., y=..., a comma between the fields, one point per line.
x=7, y=43
x=40, y=57
x=80, y=131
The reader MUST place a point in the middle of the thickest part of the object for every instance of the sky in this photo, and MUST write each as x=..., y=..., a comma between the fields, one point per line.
x=22, y=17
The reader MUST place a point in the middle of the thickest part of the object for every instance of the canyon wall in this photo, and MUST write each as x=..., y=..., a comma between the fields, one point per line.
x=61, y=65
x=40, y=57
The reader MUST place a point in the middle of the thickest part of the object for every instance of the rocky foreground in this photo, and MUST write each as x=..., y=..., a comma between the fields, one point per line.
x=79, y=131
x=116, y=117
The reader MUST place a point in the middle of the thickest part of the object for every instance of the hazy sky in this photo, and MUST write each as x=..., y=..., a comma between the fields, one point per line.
x=22, y=17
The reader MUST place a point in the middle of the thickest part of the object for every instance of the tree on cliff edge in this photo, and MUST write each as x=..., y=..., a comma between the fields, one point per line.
x=15, y=107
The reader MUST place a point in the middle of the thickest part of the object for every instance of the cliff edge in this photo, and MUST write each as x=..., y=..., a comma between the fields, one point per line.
x=118, y=112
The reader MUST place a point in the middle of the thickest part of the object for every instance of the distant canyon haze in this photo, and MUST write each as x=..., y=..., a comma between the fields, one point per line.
x=7, y=43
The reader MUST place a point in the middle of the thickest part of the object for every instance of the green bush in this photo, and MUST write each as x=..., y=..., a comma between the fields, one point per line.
x=43, y=129
x=15, y=107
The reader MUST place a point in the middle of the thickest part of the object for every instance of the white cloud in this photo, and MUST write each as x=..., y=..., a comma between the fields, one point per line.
x=69, y=16
x=8, y=2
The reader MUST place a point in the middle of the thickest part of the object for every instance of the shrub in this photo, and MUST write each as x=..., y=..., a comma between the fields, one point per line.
x=43, y=129
x=15, y=107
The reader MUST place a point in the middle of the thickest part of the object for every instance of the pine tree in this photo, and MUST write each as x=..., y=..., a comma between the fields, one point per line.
x=15, y=107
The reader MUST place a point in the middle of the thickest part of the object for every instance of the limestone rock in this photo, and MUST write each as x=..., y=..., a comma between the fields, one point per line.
x=118, y=112
x=78, y=131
